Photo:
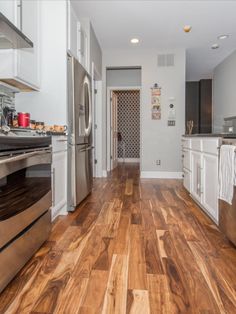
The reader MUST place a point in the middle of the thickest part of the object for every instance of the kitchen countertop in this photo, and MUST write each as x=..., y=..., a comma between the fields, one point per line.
x=211, y=135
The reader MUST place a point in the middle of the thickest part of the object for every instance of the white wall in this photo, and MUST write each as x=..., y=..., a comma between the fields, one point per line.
x=158, y=141
x=123, y=77
x=49, y=104
x=224, y=93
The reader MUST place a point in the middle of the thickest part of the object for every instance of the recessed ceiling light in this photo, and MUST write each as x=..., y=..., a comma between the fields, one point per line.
x=215, y=46
x=134, y=41
x=223, y=36
x=187, y=28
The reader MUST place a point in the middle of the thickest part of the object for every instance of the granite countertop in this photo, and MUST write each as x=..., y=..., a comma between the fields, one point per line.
x=223, y=135
x=204, y=135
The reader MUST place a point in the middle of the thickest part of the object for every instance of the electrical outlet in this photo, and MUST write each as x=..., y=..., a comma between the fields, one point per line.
x=158, y=162
x=171, y=122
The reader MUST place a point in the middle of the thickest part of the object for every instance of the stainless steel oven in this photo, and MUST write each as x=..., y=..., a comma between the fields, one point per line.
x=25, y=200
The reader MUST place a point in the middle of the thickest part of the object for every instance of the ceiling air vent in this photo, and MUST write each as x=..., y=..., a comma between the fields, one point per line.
x=166, y=60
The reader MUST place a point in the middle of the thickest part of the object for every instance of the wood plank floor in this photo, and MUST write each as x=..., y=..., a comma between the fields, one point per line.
x=134, y=246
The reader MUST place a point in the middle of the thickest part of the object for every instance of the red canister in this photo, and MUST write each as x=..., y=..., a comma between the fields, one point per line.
x=23, y=119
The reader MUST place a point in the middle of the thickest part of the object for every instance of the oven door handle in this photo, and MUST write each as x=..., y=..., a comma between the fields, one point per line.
x=23, y=156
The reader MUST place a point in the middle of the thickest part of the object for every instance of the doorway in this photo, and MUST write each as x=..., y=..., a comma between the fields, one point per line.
x=124, y=126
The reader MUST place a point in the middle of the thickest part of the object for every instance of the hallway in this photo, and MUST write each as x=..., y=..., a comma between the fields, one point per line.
x=134, y=246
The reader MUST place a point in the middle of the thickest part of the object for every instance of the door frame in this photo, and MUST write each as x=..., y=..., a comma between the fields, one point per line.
x=97, y=121
x=111, y=89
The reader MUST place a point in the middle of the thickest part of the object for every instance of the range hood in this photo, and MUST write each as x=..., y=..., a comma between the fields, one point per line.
x=11, y=37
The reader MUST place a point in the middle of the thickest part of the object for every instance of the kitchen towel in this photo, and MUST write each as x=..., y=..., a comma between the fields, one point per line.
x=227, y=173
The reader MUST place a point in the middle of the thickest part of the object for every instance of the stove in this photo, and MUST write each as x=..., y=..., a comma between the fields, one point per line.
x=23, y=139
x=25, y=198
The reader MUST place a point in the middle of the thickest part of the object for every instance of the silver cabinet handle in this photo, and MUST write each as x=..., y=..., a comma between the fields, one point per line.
x=23, y=156
x=62, y=140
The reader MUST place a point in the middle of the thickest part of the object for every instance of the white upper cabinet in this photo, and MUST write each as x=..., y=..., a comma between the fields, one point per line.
x=78, y=38
x=72, y=31
x=28, y=62
x=82, y=47
x=9, y=10
x=21, y=67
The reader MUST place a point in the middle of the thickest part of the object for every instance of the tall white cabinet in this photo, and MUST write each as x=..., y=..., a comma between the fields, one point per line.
x=202, y=173
x=21, y=67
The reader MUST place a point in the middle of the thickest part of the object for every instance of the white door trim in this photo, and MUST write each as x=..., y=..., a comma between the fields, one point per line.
x=110, y=89
x=97, y=120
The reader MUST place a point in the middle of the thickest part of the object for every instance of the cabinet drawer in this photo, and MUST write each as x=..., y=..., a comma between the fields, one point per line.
x=210, y=146
x=196, y=144
x=59, y=143
x=186, y=143
x=187, y=179
x=186, y=158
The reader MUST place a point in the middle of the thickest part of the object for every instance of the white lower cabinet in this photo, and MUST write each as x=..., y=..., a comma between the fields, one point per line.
x=196, y=167
x=187, y=179
x=210, y=184
x=59, y=176
x=201, y=179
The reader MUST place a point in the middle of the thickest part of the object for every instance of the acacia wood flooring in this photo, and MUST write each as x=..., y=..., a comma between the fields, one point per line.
x=133, y=246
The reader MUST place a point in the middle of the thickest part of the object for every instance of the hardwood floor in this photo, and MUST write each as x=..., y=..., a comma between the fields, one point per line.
x=132, y=247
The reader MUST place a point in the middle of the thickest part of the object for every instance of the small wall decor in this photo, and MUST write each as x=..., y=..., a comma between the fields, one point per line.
x=156, y=102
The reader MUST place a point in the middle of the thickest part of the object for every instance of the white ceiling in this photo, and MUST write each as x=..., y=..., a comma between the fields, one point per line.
x=158, y=24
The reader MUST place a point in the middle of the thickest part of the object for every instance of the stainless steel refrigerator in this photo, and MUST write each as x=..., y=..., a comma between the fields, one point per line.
x=80, y=165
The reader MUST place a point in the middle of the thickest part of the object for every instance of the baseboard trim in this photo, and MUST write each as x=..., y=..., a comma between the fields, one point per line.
x=59, y=209
x=160, y=175
x=128, y=160
x=104, y=173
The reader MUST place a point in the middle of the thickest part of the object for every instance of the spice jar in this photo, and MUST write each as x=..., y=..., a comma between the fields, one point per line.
x=33, y=124
x=39, y=125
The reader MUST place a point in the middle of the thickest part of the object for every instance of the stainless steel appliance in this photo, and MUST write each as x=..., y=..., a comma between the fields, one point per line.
x=227, y=212
x=25, y=200
x=80, y=133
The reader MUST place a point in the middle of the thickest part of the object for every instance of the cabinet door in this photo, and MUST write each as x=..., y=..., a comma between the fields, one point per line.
x=28, y=63
x=196, y=188
x=72, y=31
x=82, y=41
x=210, y=185
x=59, y=165
x=187, y=179
x=8, y=8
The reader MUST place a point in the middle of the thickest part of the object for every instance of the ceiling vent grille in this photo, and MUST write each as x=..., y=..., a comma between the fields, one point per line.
x=165, y=60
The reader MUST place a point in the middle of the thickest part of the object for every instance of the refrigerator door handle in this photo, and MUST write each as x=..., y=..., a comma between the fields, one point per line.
x=82, y=150
x=86, y=149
